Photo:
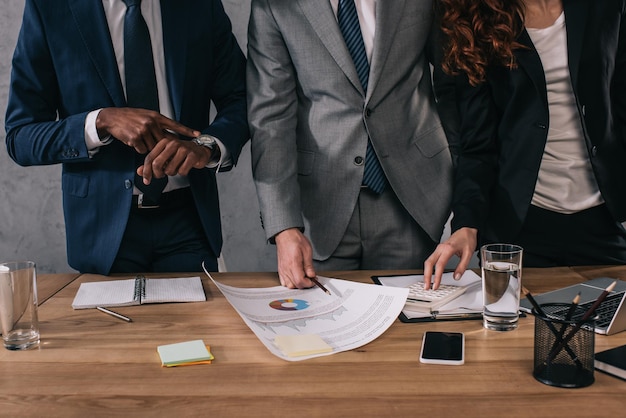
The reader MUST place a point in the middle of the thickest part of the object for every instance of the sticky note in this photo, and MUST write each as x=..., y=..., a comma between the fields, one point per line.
x=302, y=345
x=185, y=353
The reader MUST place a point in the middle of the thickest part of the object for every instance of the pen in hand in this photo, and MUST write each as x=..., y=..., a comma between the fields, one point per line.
x=115, y=314
x=318, y=284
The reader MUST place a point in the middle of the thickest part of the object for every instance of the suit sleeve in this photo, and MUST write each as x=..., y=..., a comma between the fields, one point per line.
x=34, y=135
x=445, y=95
x=228, y=86
x=476, y=172
x=444, y=87
x=272, y=116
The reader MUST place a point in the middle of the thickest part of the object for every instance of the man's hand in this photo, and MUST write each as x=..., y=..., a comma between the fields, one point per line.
x=461, y=243
x=172, y=156
x=295, y=259
x=140, y=129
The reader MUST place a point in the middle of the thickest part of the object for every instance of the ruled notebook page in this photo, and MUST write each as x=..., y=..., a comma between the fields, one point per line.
x=108, y=293
x=184, y=289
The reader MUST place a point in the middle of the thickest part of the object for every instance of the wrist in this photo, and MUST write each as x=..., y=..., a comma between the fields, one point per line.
x=287, y=235
x=101, y=124
x=211, y=146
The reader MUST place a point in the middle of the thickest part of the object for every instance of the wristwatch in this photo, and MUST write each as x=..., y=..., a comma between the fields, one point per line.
x=206, y=141
x=209, y=142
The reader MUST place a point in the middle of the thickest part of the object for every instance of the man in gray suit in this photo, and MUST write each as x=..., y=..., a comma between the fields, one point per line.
x=324, y=114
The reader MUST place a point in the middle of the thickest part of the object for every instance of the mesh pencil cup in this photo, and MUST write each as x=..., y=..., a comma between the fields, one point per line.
x=563, y=355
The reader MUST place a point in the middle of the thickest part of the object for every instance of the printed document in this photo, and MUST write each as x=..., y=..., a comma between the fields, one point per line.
x=353, y=315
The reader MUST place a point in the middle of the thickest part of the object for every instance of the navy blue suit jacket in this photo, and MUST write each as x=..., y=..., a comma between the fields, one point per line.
x=505, y=123
x=64, y=66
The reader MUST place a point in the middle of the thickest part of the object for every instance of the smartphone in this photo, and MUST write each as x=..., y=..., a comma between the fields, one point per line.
x=443, y=348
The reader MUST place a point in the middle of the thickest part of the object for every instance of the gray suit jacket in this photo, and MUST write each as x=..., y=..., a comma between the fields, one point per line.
x=310, y=118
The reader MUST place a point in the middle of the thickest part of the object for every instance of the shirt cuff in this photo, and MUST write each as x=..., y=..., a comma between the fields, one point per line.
x=92, y=140
x=225, y=159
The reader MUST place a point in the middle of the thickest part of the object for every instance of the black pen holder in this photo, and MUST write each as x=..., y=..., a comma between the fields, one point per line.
x=563, y=359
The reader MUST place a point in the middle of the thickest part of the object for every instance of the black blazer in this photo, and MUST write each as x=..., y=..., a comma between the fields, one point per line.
x=504, y=123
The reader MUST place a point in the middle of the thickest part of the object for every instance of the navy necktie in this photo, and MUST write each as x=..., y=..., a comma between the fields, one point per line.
x=373, y=176
x=141, y=85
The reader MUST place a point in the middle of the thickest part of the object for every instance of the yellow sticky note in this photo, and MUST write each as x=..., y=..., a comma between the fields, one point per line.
x=185, y=353
x=302, y=345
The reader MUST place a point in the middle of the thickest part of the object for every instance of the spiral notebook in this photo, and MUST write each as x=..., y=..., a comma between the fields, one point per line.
x=138, y=291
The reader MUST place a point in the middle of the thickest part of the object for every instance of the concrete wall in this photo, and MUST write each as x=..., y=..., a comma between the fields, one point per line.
x=31, y=215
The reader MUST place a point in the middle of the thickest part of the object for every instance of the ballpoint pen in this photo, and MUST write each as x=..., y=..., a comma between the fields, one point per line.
x=318, y=284
x=115, y=314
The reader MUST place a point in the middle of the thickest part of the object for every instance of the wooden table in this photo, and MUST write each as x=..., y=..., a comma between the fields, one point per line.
x=91, y=364
x=49, y=284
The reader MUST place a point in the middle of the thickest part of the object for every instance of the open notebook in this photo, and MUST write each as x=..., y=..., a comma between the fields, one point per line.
x=137, y=291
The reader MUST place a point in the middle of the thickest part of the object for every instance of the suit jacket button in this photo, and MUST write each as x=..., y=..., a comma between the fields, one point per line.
x=358, y=160
x=128, y=184
x=368, y=112
x=594, y=151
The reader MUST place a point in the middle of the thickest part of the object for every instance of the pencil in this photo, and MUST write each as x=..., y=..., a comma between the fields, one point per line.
x=572, y=307
x=580, y=323
x=115, y=314
x=558, y=335
x=318, y=284
x=532, y=300
x=568, y=317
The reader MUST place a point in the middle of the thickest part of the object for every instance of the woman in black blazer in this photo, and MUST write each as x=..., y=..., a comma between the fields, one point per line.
x=540, y=88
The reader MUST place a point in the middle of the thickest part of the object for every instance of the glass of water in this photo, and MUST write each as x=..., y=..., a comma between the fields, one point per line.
x=18, y=305
x=501, y=266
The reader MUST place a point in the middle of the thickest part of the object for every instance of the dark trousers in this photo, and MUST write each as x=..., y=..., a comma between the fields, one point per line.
x=166, y=239
x=589, y=237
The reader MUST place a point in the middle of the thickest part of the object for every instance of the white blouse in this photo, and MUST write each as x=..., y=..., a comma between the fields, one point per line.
x=566, y=182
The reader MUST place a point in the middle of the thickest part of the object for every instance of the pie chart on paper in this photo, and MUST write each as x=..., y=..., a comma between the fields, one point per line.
x=289, y=304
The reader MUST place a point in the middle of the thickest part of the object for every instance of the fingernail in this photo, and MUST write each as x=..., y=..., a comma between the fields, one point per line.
x=457, y=276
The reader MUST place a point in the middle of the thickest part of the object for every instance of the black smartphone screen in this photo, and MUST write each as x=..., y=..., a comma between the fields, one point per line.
x=442, y=347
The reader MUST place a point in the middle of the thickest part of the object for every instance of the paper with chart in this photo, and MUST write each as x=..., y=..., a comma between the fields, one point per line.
x=353, y=315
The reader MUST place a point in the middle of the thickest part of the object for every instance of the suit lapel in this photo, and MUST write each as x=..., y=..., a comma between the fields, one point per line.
x=575, y=17
x=175, y=50
x=528, y=59
x=387, y=18
x=323, y=20
x=91, y=21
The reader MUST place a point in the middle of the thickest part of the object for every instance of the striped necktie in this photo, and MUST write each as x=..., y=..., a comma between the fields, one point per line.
x=373, y=176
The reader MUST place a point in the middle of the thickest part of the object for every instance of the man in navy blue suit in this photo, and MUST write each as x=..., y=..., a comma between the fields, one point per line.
x=70, y=103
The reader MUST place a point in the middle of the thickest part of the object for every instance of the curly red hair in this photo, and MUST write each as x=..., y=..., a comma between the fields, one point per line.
x=479, y=33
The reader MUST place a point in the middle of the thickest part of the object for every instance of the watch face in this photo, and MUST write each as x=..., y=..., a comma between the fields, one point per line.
x=206, y=140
